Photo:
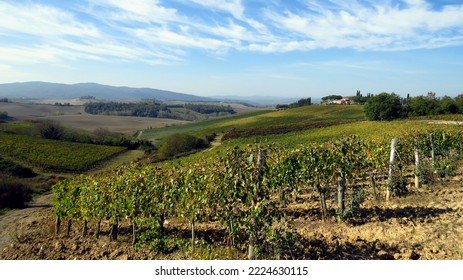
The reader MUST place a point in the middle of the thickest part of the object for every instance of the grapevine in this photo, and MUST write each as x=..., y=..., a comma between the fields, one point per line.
x=246, y=190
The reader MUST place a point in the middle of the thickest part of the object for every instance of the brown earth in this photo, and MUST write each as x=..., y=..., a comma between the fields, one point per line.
x=427, y=224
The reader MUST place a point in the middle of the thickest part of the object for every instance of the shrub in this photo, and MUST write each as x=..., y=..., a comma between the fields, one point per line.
x=181, y=143
x=13, y=194
x=426, y=174
x=3, y=115
x=398, y=185
x=11, y=168
x=50, y=129
x=445, y=168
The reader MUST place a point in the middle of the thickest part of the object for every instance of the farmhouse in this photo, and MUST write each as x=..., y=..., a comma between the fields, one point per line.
x=342, y=101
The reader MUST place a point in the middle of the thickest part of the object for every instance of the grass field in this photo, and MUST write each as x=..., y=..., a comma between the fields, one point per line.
x=75, y=117
x=200, y=128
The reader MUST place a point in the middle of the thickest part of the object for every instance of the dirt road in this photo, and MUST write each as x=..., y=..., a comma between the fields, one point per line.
x=14, y=223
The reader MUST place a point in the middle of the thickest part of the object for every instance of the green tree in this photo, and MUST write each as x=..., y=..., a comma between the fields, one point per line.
x=447, y=105
x=384, y=107
x=332, y=97
x=423, y=105
x=459, y=103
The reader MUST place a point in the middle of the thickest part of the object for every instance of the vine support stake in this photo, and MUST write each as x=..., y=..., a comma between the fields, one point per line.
x=57, y=224
x=444, y=140
x=261, y=162
x=134, y=232
x=433, y=149
x=394, y=143
x=193, y=236
x=417, y=164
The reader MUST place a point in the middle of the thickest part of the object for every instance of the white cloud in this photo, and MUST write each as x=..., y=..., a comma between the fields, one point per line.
x=40, y=20
x=165, y=36
x=380, y=27
x=145, y=11
x=157, y=31
x=34, y=54
x=233, y=7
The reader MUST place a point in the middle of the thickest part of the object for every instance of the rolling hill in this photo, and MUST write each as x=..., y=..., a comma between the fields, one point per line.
x=54, y=90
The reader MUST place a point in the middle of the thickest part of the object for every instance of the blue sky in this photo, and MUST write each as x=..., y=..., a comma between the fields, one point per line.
x=287, y=48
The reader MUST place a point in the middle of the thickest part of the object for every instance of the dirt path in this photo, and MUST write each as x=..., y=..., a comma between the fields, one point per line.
x=217, y=141
x=14, y=223
x=445, y=122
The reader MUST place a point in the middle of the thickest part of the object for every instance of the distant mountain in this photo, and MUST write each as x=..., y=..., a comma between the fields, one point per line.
x=53, y=90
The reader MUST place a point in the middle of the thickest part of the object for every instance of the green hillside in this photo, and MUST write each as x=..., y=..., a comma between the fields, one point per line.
x=268, y=122
x=334, y=122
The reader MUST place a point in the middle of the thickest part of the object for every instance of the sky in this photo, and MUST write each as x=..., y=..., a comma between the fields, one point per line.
x=282, y=48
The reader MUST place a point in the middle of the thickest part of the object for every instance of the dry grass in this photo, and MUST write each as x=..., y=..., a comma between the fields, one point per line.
x=75, y=117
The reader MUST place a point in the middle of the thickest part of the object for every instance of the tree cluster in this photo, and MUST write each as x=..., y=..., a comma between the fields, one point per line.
x=142, y=109
x=4, y=100
x=53, y=130
x=209, y=109
x=389, y=106
x=300, y=103
x=359, y=98
x=153, y=109
x=332, y=97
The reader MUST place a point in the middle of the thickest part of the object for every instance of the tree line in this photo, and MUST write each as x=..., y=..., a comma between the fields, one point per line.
x=389, y=106
x=209, y=109
x=141, y=109
x=153, y=109
x=300, y=103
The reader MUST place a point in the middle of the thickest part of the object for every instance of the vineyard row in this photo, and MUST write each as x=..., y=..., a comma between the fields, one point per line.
x=248, y=189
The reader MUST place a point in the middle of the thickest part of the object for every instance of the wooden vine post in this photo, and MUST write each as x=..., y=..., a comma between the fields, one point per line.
x=444, y=140
x=261, y=161
x=342, y=178
x=433, y=149
x=417, y=164
x=391, y=167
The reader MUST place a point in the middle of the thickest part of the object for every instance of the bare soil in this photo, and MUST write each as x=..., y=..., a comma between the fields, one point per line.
x=427, y=224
